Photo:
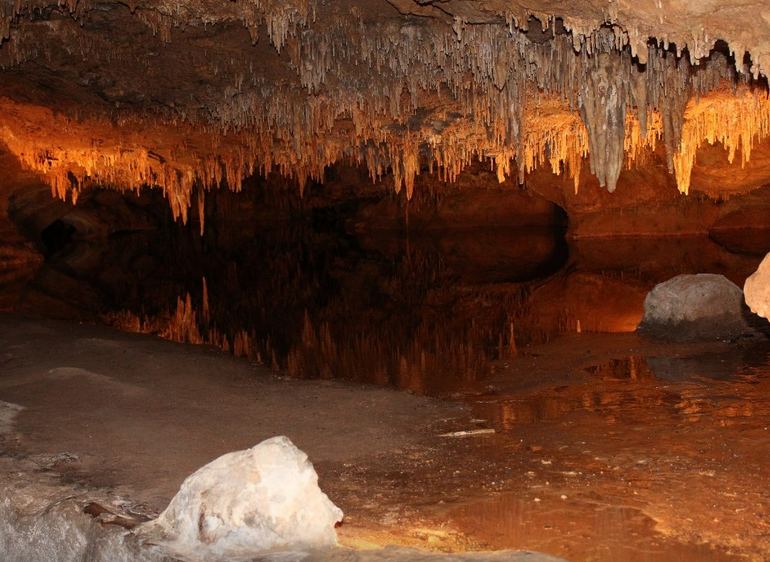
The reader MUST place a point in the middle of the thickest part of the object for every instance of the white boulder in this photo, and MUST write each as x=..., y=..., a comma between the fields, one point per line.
x=756, y=289
x=694, y=307
x=247, y=502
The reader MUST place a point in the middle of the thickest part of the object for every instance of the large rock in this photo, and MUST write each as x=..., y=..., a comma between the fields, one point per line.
x=757, y=289
x=247, y=502
x=695, y=307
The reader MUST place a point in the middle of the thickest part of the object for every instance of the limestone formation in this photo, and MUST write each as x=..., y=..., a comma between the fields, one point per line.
x=248, y=502
x=695, y=307
x=190, y=96
x=757, y=289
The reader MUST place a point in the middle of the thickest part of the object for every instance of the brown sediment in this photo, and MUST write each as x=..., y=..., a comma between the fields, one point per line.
x=605, y=446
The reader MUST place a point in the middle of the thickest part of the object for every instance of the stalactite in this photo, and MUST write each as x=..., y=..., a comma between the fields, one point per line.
x=643, y=131
x=736, y=121
x=603, y=101
x=394, y=94
x=668, y=87
x=201, y=210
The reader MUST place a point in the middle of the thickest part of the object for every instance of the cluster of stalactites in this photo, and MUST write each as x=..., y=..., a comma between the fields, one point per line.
x=401, y=95
x=280, y=18
x=68, y=164
x=735, y=120
x=382, y=76
x=11, y=9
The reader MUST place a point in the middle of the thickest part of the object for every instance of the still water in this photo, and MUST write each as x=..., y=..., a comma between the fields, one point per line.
x=605, y=446
x=429, y=313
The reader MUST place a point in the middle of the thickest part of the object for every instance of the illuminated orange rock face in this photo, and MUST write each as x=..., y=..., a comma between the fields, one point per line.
x=588, y=110
x=18, y=258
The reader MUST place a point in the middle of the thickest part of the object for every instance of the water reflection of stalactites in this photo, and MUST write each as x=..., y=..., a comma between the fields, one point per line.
x=324, y=311
x=421, y=364
x=550, y=406
x=391, y=311
x=633, y=368
x=694, y=404
x=184, y=324
x=430, y=313
x=721, y=387
x=406, y=330
x=319, y=305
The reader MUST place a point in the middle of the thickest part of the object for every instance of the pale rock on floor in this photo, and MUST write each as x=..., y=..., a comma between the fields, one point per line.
x=246, y=503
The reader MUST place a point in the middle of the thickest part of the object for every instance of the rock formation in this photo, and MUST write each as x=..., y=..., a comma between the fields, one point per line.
x=192, y=96
x=247, y=502
x=757, y=289
x=695, y=307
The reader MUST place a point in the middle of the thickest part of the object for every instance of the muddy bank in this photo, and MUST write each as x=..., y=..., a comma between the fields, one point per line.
x=91, y=416
x=141, y=413
x=605, y=447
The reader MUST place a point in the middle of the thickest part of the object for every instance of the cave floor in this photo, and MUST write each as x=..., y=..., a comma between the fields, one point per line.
x=605, y=447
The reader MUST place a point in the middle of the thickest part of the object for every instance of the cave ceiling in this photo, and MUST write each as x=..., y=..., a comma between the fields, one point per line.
x=188, y=96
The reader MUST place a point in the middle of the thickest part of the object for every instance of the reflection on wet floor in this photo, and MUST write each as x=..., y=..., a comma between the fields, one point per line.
x=430, y=314
x=585, y=531
x=606, y=448
x=713, y=384
x=644, y=457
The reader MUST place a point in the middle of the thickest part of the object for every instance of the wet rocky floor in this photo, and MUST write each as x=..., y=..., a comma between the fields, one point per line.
x=633, y=451
x=460, y=394
x=604, y=448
